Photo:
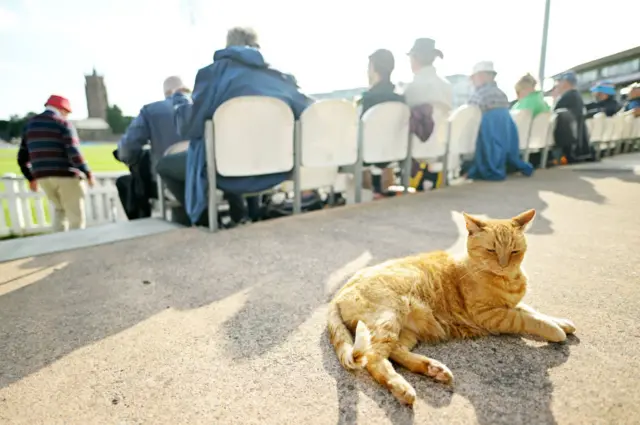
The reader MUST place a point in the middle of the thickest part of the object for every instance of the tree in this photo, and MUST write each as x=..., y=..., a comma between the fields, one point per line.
x=116, y=120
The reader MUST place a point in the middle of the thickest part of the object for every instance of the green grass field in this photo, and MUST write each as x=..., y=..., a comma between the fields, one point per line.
x=99, y=157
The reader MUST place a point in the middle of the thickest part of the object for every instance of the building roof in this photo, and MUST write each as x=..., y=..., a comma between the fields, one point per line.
x=91, y=124
x=629, y=53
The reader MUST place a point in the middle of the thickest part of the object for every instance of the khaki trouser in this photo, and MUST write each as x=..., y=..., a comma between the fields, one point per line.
x=67, y=196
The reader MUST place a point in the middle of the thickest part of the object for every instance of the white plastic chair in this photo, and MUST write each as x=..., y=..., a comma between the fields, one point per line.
x=523, y=119
x=249, y=136
x=540, y=137
x=464, y=125
x=617, y=137
x=436, y=148
x=383, y=136
x=326, y=138
x=627, y=131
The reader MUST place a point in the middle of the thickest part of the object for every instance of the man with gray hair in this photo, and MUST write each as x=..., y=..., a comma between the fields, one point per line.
x=237, y=70
x=154, y=125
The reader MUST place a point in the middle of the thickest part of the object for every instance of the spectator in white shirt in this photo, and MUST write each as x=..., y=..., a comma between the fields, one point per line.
x=427, y=86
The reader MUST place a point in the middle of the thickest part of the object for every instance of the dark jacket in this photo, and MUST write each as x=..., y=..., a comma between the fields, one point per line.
x=570, y=132
x=379, y=93
x=609, y=106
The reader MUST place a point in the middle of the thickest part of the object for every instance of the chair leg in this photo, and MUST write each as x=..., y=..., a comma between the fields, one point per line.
x=161, y=200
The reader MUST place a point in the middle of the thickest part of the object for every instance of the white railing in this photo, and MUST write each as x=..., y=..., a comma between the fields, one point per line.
x=24, y=212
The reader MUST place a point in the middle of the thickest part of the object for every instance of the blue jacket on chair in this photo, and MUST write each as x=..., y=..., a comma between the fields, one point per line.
x=497, y=145
x=236, y=71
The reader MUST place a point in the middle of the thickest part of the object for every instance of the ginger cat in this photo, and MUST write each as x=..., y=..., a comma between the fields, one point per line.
x=434, y=297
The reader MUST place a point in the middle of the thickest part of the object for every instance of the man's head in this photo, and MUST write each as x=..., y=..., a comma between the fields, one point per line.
x=565, y=82
x=61, y=104
x=171, y=84
x=634, y=91
x=483, y=73
x=525, y=86
x=381, y=65
x=241, y=36
x=423, y=53
x=603, y=90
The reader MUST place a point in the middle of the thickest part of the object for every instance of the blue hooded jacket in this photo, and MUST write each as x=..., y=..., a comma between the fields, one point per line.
x=496, y=146
x=236, y=71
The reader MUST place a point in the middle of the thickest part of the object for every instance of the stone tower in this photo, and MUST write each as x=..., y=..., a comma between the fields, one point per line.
x=96, y=92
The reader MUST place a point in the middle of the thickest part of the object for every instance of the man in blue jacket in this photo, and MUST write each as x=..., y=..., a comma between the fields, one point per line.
x=154, y=125
x=237, y=70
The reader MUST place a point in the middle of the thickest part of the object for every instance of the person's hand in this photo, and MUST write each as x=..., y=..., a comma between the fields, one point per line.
x=91, y=181
x=33, y=185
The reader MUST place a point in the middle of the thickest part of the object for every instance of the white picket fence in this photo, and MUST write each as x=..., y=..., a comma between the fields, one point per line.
x=24, y=212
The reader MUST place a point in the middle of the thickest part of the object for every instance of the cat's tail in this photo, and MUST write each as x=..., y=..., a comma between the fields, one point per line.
x=352, y=355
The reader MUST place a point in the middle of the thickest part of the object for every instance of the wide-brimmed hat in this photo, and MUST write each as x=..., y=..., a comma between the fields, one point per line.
x=483, y=66
x=604, y=87
x=425, y=47
x=59, y=102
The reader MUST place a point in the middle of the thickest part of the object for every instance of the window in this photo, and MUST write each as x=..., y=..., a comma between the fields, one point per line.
x=621, y=68
x=587, y=76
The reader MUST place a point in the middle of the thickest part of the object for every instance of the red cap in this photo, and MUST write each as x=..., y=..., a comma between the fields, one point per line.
x=59, y=102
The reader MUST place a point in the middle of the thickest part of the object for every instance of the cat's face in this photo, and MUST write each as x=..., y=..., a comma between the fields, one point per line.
x=498, y=245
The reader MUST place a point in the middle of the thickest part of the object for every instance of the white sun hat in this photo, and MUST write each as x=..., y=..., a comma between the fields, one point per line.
x=484, y=66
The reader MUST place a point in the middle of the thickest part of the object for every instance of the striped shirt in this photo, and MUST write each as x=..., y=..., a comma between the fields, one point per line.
x=50, y=148
x=489, y=96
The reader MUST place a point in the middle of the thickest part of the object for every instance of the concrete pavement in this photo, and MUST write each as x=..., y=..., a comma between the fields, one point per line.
x=187, y=327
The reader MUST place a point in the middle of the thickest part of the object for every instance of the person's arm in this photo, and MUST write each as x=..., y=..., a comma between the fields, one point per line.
x=24, y=161
x=134, y=139
x=190, y=114
x=72, y=144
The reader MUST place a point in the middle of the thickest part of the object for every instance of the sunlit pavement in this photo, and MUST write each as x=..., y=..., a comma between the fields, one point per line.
x=186, y=327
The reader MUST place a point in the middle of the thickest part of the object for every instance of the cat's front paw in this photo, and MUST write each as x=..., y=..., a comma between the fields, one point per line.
x=566, y=325
x=403, y=391
x=554, y=333
x=439, y=372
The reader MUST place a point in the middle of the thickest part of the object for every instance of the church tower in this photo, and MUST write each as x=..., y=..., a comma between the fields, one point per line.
x=96, y=92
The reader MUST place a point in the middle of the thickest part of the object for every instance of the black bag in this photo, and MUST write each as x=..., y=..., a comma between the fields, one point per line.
x=311, y=202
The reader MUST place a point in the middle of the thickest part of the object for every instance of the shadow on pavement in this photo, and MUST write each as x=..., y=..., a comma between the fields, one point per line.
x=505, y=379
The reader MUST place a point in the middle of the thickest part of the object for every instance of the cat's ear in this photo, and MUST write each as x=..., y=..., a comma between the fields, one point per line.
x=474, y=224
x=522, y=220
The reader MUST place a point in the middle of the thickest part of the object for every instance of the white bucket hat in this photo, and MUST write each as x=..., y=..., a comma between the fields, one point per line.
x=484, y=66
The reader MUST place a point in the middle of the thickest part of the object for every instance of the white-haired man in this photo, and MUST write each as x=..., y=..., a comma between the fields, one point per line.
x=154, y=125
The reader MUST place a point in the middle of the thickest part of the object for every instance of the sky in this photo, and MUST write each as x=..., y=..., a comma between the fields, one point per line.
x=47, y=46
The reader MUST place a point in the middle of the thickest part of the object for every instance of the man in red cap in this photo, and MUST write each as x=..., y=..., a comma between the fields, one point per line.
x=49, y=156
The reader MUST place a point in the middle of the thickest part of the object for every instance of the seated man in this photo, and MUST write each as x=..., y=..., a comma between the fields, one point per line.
x=570, y=134
x=605, y=95
x=497, y=145
x=381, y=89
x=633, y=100
x=237, y=70
x=155, y=125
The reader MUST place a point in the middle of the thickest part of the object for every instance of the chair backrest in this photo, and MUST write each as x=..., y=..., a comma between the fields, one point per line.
x=436, y=146
x=636, y=128
x=608, y=131
x=523, y=119
x=329, y=134
x=540, y=131
x=177, y=147
x=597, y=127
x=628, y=126
x=589, y=124
x=253, y=135
x=618, y=127
x=464, y=127
x=385, y=132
